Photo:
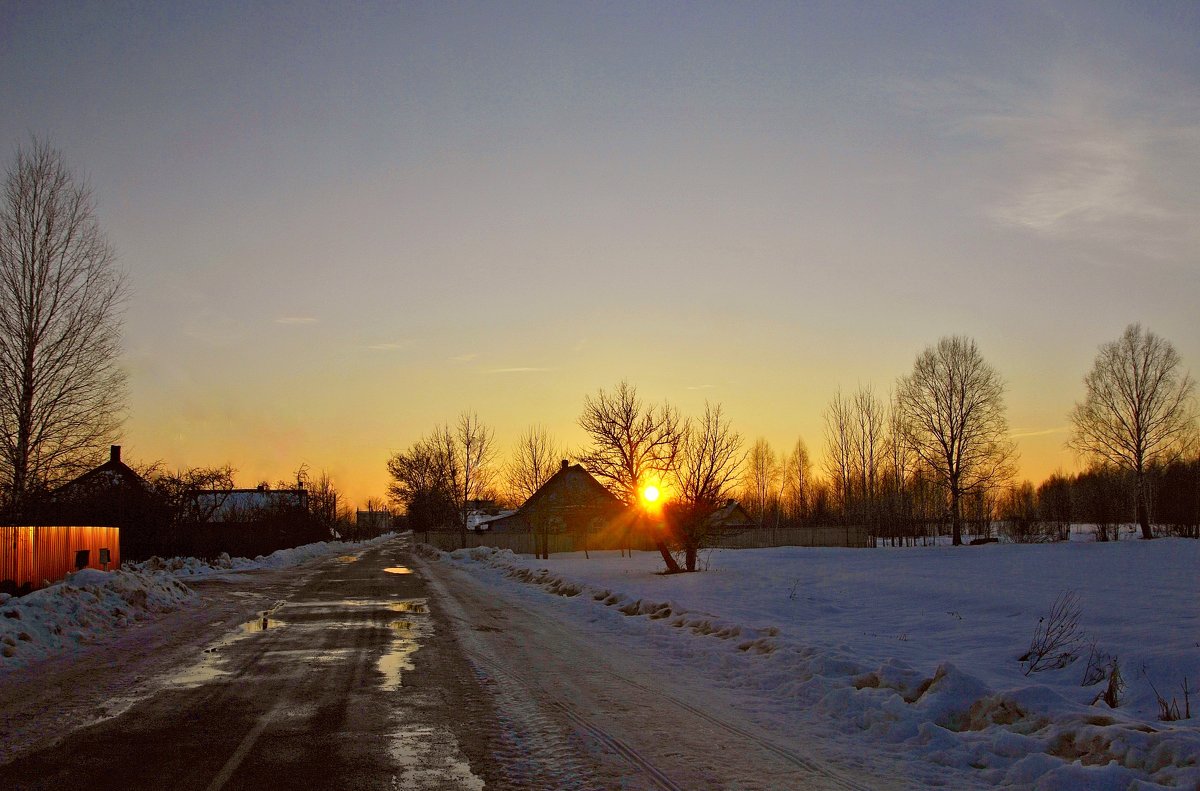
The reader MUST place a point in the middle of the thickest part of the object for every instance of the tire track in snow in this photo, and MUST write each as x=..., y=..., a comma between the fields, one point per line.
x=819, y=772
x=555, y=763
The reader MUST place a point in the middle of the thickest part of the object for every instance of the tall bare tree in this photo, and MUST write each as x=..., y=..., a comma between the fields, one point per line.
x=1138, y=409
x=424, y=480
x=631, y=444
x=797, y=482
x=761, y=480
x=839, y=448
x=706, y=470
x=475, y=449
x=535, y=459
x=61, y=390
x=953, y=412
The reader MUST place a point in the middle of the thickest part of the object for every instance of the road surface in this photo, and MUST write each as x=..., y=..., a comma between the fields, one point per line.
x=381, y=670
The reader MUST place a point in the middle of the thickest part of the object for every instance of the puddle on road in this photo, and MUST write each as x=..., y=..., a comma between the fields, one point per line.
x=406, y=634
x=347, y=558
x=261, y=624
x=398, y=570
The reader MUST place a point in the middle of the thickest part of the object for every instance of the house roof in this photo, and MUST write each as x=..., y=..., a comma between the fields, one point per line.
x=731, y=515
x=112, y=473
x=558, y=479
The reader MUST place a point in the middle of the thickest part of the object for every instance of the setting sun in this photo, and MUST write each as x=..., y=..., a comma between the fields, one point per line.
x=650, y=494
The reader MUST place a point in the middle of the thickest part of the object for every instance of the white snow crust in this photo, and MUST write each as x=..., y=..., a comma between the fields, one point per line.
x=912, y=655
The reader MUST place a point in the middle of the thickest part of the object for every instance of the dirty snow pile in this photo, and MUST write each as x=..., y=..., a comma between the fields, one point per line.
x=82, y=609
x=282, y=558
x=913, y=655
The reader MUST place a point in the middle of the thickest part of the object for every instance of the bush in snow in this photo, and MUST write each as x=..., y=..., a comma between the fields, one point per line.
x=1057, y=637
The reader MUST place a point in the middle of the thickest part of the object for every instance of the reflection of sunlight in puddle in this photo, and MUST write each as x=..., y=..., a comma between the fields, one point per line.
x=261, y=624
x=398, y=570
x=347, y=558
x=405, y=642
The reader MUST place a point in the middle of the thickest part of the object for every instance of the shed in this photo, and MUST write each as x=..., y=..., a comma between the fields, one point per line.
x=32, y=555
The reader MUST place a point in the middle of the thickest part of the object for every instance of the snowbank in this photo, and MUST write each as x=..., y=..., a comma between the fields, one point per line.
x=282, y=558
x=82, y=609
x=916, y=651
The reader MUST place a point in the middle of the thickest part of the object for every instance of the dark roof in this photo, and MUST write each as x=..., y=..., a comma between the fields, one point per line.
x=559, y=478
x=111, y=474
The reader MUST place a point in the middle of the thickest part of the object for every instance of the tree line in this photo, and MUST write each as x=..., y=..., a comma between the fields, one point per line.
x=932, y=456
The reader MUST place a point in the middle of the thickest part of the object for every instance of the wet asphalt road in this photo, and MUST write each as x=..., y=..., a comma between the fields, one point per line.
x=326, y=689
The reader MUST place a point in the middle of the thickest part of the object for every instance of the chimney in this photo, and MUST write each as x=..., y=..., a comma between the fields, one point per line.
x=114, y=454
x=564, y=464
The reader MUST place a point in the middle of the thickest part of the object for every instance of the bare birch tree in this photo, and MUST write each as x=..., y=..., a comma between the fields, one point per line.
x=709, y=461
x=761, y=480
x=61, y=390
x=475, y=450
x=535, y=459
x=631, y=443
x=797, y=481
x=1138, y=409
x=953, y=413
x=839, y=449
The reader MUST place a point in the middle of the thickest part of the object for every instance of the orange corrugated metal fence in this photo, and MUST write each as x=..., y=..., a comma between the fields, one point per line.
x=32, y=555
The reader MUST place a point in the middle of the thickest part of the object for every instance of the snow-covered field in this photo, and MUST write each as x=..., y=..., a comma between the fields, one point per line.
x=913, y=654
x=90, y=605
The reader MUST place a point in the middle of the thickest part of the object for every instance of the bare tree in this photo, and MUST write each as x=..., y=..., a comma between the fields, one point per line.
x=535, y=459
x=631, y=444
x=709, y=461
x=61, y=391
x=1138, y=410
x=475, y=449
x=797, y=482
x=762, y=476
x=953, y=412
x=839, y=448
x=424, y=480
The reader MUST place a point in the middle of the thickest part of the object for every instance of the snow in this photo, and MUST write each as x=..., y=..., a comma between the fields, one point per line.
x=913, y=654
x=88, y=606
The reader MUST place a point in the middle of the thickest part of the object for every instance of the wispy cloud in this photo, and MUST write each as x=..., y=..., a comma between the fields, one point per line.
x=1021, y=433
x=389, y=347
x=463, y=358
x=518, y=370
x=295, y=320
x=699, y=387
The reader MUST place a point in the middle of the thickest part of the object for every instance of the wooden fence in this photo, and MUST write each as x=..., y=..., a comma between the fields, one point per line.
x=523, y=543
x=30, y=556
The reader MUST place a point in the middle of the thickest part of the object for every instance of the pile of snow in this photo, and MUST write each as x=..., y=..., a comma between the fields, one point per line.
x=915, y=652
x=82, y=609
x=282, y=558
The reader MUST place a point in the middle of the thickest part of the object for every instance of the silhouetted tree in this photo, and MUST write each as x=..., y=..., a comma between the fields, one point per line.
x=1137, y=410
x=707, y=466
x=953, y=415
x=61, y=390
x=535, y=459
x=632, y=443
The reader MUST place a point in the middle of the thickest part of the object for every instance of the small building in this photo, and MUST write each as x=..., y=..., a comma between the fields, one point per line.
x=730, y=517
x=114, y=495
x=570, y=501
x=32, y=556
x=244, y=505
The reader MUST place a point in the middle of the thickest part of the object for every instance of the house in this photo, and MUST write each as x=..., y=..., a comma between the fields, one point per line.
x=730, y=517
x=570, y=501
x=111, y=495
x=245, y=505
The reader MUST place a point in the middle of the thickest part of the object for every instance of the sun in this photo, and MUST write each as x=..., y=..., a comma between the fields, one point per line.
x=650, y=494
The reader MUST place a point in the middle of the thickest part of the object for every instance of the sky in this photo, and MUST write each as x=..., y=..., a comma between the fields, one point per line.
x=344, y=224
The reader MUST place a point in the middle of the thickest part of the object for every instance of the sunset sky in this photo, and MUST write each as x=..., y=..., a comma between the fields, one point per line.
x=343, y=224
